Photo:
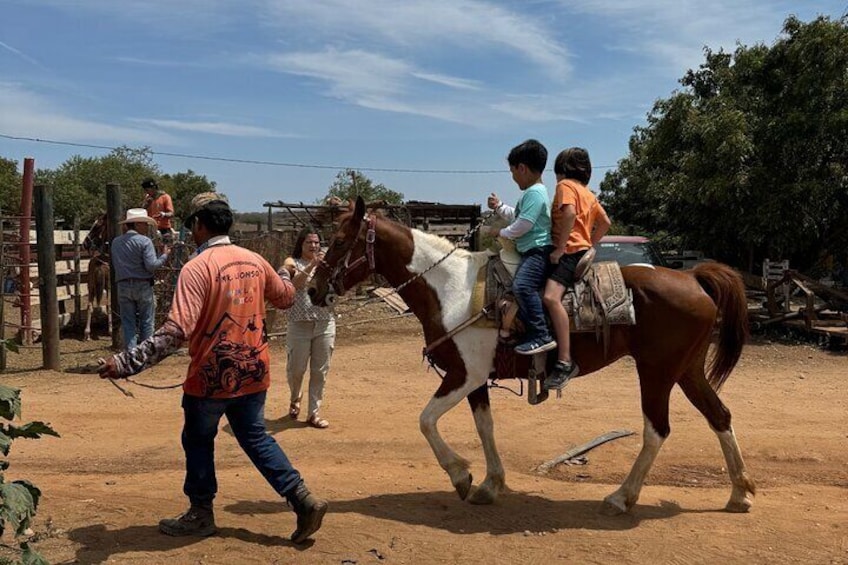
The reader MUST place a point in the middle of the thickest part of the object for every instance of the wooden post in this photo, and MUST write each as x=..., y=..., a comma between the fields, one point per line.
x=270, y=220
x=114, y=207
x=78, y=274
x=26, y=214
x=2, y=295
x=47, y=276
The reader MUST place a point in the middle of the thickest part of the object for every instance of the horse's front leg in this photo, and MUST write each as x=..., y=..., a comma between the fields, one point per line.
x=487, y=492
x=455, y=386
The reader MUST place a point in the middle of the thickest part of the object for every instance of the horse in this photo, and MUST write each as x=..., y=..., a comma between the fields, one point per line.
x=676, y=314
x=98, y=275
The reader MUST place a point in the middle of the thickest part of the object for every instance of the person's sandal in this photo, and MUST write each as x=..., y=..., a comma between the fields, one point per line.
x=317, y=422
x=294, y=410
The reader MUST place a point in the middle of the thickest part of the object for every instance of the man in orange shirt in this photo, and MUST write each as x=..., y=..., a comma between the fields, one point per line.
x=578, y=223
x=159, y=206
x=219, y=309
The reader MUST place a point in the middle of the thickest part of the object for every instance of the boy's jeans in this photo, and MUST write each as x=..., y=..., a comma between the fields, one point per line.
x=246, y=415
x=529, y=279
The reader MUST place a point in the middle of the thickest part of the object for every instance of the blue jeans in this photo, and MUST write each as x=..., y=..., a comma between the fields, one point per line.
x=529, y=279
x=246, y=415
x=137, y=307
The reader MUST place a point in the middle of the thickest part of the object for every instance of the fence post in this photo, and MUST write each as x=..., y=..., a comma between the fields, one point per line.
x=47, y=276
x=3, y=294
x=77, y=275
x=26, y=214
x=114, y=207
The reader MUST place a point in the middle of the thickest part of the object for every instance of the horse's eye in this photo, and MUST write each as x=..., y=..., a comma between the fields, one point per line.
x=338, y=244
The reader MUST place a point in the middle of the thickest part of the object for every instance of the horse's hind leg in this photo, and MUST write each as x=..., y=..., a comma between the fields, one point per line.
x=493, y=484
x=705, y=399
x=452, y=390
x=87, y=331
x=654, y=434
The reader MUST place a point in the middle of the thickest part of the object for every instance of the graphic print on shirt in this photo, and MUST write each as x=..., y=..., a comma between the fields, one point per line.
x=233, y=363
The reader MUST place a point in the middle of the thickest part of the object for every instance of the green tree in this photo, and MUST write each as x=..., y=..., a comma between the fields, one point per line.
x=80, y=182
x=183, y=187
x=350, y=183
x=749, y=159
x=10, y=186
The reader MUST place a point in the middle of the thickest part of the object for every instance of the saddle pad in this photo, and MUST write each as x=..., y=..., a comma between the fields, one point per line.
x=600, y=299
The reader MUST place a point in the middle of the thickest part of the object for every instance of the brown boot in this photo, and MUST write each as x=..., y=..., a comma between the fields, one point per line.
x=310, y=512
x=196, y=521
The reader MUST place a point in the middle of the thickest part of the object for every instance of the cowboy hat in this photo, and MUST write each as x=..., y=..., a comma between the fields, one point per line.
x=205, y=200
x=138, y=215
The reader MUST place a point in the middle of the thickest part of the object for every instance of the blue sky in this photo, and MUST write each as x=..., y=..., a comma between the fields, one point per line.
x=425, y=97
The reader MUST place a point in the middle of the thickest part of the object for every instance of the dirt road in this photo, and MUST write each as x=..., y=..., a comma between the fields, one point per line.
x=118, y=468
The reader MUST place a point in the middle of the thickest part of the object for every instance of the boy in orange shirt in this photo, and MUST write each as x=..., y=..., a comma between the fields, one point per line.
x=578, y=223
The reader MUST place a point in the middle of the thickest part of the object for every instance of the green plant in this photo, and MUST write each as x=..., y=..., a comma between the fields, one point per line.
x=18, y=499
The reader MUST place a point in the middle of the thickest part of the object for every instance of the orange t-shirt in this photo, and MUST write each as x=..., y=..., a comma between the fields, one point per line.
x=586, y=206
x=220, y=306
x=161, y=203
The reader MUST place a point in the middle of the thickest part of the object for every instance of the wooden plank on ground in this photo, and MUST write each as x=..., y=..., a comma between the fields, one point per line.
x=392, y=298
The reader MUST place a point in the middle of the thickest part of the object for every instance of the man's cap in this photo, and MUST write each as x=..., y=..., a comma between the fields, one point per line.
x=149, y=183
x=211, y=201
x=138, y=215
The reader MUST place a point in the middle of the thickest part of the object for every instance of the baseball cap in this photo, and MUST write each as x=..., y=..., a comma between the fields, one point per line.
x=211, y=201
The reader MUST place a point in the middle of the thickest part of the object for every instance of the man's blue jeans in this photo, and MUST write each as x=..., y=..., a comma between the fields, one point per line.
x=137, y=307
x=529, y=279
x=246, y=415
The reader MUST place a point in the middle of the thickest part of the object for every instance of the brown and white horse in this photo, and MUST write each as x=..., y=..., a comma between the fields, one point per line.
x=97, y=276
x=676, y=313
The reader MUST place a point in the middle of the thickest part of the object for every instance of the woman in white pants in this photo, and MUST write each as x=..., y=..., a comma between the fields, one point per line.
x=311, y=330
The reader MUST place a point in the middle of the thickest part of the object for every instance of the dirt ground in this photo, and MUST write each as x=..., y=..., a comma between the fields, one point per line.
x=118, y=467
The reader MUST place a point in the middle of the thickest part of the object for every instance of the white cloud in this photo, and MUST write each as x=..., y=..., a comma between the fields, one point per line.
x=465, y=25
x=216, y=128
x=35, y=116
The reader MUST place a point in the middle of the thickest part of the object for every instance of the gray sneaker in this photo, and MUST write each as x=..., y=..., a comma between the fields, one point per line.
x=196, y=521
x=561, y=374
x=310, y=512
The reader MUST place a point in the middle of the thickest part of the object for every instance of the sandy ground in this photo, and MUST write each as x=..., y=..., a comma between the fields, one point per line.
x=118, y=467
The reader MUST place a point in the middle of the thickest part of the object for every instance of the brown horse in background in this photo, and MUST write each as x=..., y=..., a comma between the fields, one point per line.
x=97, y=276
x=676, y=314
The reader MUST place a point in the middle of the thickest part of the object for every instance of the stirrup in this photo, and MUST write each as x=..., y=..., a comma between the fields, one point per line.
x=536, y=393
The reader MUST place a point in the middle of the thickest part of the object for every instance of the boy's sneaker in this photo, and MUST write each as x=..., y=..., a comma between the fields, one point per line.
x=536, y=345
x=196, y=521
x=560, y=375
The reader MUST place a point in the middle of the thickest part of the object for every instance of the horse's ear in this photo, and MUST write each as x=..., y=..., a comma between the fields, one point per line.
x=359, y=209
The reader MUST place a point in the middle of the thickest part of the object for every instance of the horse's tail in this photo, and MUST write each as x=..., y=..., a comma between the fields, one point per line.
x=726, y=288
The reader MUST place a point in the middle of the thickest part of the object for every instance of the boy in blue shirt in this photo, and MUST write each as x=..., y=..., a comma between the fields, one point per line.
x=530, y=227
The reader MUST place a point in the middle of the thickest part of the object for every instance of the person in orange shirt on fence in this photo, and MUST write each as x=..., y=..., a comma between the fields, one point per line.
x=578, y=223
x=160, y=207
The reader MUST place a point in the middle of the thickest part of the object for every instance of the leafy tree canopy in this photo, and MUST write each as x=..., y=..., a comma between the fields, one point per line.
x=349, y=184
x=749, y=160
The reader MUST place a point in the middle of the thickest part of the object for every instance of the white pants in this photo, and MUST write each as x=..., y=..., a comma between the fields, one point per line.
x=309, y=343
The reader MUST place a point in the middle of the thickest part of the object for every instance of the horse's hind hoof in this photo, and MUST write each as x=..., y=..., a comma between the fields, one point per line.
x=611, y=509
x=738, y=507
x=464, y=487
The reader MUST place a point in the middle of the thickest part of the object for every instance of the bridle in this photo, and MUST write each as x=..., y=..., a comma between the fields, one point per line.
x=340, y=271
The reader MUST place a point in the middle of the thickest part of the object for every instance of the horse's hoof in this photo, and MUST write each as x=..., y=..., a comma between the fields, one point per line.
x=481, y=496
x=609, y=508
x=738, y=507
x=463, y=487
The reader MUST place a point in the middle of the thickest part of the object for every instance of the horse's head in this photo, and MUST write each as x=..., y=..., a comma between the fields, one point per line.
x=349, y=258
x=98, y=235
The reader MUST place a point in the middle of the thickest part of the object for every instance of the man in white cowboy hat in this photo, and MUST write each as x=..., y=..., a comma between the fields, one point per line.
x=135, y=260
